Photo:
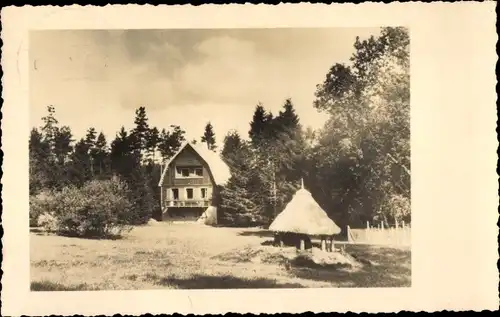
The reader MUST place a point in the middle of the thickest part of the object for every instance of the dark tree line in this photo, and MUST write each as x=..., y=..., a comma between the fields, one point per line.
x=57, y=161
x=266, y=169
x=357, y=166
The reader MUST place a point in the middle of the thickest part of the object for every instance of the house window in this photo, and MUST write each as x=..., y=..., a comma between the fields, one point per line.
x=175, y=193
x=203, y=193
x=189, y=193
x=189, y=172
x=185, y=172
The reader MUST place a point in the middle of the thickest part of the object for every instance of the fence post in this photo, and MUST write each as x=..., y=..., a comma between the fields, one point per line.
x=348, y=233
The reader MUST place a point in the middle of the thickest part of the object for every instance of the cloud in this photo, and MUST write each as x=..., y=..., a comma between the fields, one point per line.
x=226, y=75
x=184, y=77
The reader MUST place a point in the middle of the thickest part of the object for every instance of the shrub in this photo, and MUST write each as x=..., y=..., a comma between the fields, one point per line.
x=48, y=222
x=98, y=209
x=399, y=207
x=38, y=205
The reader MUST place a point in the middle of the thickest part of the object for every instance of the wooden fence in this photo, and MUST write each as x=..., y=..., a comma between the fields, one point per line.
x=398, y=234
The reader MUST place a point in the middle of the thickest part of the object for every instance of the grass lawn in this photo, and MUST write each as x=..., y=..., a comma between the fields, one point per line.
x=188, y=255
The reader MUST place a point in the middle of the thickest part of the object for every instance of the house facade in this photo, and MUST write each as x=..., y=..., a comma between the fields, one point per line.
x=189, y=182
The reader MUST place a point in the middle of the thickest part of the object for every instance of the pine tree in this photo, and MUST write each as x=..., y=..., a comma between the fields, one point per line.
x=152, y=142
x=240, y=205
x=101, y=156
x=140, y=133
x=287, y=119
x=49, y=128
x=232, y=142
x=258, y=125
x=123, y=157
x=279, y=152
x=126, y=164
x=164, y=145
x=90, y=141
x=209, y=137
x=62, y=144
x=289, y=153
x=39, y=155
x=58, y=141
x=141, y=196
x=79, y=168
x=62, y=150
x=177, y=137
x=90, y=137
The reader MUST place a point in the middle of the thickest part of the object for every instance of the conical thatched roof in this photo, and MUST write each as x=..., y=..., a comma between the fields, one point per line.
x=304, y=215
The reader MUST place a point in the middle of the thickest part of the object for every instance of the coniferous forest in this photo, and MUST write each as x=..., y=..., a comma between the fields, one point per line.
x=357, y=166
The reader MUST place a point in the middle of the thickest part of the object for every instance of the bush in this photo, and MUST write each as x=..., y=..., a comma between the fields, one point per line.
x=98, y=209
x=399, y=208
x=38, y=205
x=48, y=222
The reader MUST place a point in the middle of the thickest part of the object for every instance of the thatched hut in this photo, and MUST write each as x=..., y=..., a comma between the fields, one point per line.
x=303, y=218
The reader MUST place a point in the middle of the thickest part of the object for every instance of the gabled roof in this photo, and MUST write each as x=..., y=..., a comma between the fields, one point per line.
x=303, y=215
x=218, y=168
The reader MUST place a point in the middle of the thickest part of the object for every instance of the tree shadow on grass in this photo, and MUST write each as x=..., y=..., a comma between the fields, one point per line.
x=257, y=233
x=43, y=232
x=223, y=282
x=47, y=286
x=381, y=267
x=262, y=233
x=36, y=230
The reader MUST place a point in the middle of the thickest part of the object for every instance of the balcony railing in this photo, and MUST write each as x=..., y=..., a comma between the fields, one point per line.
x=187, y=182
x=187, y=203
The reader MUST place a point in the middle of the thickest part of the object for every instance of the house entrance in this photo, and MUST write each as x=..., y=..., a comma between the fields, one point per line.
x=183, y=213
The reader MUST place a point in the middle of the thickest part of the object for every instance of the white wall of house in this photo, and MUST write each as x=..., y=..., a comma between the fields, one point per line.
x=183, y=193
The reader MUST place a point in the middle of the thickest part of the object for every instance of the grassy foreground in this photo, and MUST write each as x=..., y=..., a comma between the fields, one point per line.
x=191, y=256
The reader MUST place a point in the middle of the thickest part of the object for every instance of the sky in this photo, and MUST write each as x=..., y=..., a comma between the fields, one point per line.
x=186, y=77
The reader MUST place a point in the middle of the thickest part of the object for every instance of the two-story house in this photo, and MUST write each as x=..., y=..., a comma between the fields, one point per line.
x=189, y=180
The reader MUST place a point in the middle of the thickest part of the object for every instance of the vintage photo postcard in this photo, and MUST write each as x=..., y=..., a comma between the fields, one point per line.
x=249, y=159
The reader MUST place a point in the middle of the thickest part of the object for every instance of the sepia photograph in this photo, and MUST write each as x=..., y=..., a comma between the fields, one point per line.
x=219, y=158
x=249, y=159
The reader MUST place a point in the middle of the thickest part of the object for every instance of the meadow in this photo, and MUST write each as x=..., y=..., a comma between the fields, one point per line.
x=168, y=255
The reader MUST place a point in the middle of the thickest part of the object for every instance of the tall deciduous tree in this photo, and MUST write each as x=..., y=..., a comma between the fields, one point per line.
x=366, y=140
x=170, y=141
